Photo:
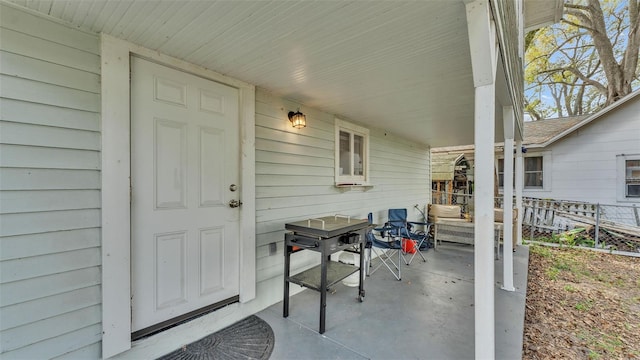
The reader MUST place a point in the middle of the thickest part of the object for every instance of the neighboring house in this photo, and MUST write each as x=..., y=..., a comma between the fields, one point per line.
x=119, y=135
x=593, y=158
x=596, y=159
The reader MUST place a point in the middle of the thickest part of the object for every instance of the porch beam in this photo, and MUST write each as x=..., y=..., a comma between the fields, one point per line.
x=483, y=47
x=508, y=120
x=482, y=42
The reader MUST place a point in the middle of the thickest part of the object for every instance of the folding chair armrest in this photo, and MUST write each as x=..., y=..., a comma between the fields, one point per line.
x=420, y=223
x=383, y=228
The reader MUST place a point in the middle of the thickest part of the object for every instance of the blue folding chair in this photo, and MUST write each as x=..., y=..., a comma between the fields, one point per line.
x=385, y=249
x=389, y=245
x=401, y=227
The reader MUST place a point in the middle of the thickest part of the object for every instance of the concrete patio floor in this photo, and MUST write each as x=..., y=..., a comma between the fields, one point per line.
x=429, y=314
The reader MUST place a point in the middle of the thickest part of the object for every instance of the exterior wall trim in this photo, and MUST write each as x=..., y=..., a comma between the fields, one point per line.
x=116, y=241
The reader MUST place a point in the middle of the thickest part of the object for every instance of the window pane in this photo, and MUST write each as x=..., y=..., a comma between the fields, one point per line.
x=351, y=154
x=358, y=155
x=632, y=169
x=533, y=179
x=533, y=163
x=633, y=190
x=632, y=178
x=533, y=172
x=345, y=153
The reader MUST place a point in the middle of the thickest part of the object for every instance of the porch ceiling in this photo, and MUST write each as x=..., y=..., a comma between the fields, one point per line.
x=403, y=66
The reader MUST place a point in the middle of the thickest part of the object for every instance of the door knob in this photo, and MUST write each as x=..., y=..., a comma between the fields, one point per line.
x=234, y=203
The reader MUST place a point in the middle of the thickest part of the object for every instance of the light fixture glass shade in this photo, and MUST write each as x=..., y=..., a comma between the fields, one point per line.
x=298, y=119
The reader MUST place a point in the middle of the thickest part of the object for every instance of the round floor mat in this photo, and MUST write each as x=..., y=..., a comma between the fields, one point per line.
x=251, y=338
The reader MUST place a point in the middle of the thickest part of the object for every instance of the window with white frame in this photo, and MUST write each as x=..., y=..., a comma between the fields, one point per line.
x=351, y=154
x=533, y=172
x=629, y=177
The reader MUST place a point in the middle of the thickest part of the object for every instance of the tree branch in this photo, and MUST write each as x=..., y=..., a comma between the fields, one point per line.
x=586, y=80
x=590, y=29
x=601, y=88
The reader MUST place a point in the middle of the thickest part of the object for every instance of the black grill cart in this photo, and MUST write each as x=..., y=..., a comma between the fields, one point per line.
x=325, y=235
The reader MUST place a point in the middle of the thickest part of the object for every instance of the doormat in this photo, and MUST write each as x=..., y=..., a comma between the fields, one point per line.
x=251, y=338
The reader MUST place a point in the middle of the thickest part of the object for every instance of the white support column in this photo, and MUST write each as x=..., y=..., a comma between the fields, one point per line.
x=483, y=48
x=519, y=183
x=507, y=229
x=484, y=287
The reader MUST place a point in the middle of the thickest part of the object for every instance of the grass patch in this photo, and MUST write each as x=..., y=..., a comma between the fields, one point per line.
x=601, y=344
x=594, y=355
x=543, y=251
x=584, y=305
x=552, y=273
x=608, y=342
x=571, y=238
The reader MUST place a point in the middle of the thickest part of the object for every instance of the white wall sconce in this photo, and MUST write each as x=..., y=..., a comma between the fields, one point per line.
x=298, y=119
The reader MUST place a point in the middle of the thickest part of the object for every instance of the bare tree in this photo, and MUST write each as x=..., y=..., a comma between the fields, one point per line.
x=588, y=61
x=619, y=74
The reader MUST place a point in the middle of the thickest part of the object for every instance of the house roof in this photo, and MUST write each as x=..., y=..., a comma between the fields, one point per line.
x=561, y=133
x=541, y=131
x=402, y=66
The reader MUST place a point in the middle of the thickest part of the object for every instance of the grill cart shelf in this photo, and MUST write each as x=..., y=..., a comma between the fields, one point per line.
x=312, y=278
x=325, y=235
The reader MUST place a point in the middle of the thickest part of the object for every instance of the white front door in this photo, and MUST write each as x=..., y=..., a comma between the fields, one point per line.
x=184, y=173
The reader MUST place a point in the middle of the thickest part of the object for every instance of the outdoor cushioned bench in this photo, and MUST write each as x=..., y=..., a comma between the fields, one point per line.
x=450, y=225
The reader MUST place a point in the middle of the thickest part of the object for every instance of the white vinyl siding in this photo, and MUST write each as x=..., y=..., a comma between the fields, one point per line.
x=49, y=189
x=584, y=163
x=295, y=180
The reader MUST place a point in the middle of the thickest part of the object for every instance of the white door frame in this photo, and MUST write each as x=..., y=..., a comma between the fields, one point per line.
x=116, y=220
